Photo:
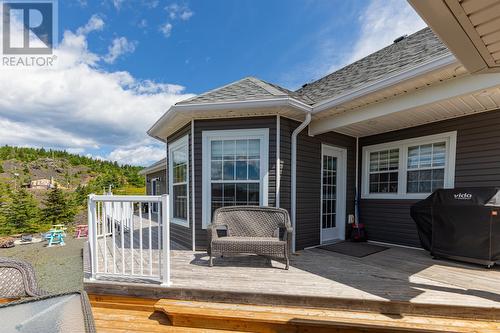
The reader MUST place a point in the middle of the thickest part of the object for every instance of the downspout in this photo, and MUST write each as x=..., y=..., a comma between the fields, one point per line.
x=294, y=174
x=356, y=186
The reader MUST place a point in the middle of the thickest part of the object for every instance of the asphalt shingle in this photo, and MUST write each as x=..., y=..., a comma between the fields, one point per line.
x=410, y=51
x=413, y=50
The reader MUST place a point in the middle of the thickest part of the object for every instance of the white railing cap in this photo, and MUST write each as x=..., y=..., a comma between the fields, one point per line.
x=125, y=198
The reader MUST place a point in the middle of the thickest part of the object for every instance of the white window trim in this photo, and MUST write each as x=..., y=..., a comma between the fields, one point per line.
x=449, y=170
x=182, y=143
x=244, y=134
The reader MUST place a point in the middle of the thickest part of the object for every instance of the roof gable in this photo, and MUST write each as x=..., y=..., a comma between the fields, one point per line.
x=249, y=88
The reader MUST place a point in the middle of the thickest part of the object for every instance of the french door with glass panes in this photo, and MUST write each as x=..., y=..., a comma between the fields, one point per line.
x=333, y=193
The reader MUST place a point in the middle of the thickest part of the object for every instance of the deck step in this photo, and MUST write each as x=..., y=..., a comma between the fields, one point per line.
x=277, y=319
x=123, y=319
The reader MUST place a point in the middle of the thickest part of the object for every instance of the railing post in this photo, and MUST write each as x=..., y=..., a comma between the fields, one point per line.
x=165, y=257
x=91, y=205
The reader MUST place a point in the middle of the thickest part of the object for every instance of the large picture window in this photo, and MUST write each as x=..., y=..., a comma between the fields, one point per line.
x=178, y=156
x=411, y=168
x=234, y=169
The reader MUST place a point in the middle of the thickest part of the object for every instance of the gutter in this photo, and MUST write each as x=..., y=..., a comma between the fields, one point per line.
x=371, y=87
x=294, y=175
x=220, y=106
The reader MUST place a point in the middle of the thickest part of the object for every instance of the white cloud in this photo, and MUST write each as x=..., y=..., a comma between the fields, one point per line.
x=186, y=15
x=166, y=29
x=79, y=105
x=137, y=155
x=119, y=47
x=182, y=12
x=96, y=23
x=381, y=23
x=151, y=3
x=142, y=24
x=118, y=4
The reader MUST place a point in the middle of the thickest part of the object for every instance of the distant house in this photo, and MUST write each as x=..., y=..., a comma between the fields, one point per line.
x=155, y=178
x=42, y=184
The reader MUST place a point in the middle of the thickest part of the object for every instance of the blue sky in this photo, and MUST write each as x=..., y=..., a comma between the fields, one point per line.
x=121, y=63
x=220, y=41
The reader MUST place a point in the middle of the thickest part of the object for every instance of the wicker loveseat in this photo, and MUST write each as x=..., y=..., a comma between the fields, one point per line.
x=264, y=231
x=17, y=279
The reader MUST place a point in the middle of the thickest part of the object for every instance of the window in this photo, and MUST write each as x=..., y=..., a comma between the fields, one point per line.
x=234, y=169
x=178, y=159
x=411, y=168
x=426, y=164
x=384, y=167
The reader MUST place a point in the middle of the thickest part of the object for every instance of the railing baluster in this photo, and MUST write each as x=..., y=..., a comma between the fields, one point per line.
x=104, y=222
x=131, y=234
x=113, y=229
x=165, y=265
x=150, y=239
x=140, y=238
x=159, y=218
x=122, y=234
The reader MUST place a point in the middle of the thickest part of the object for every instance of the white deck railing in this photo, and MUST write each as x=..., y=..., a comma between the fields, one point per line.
x=127, y=239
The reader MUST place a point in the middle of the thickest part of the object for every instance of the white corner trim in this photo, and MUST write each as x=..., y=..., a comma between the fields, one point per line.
x=182, y=143
x=293, y=203
x=278, y=161
x=193, y=188
x=449, y=170
x=240, y=134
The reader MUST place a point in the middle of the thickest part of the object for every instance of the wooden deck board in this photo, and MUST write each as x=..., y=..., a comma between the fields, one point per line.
x=397, y=274
x=167, y=315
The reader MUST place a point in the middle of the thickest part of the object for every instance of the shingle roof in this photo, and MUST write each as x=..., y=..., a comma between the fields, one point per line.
x=414, y=49
x=249, y=88
x=158, y=165
x=409, y=52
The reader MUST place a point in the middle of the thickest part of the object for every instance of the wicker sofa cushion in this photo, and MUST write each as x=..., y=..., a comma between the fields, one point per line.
x=259, y=245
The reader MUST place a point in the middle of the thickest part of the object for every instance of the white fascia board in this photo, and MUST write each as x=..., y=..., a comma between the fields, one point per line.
x=429, y=95
x=220, y=106
x=371, y=87
x=256, y=103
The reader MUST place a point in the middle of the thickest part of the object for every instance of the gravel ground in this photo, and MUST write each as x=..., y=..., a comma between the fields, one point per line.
x=58, y=268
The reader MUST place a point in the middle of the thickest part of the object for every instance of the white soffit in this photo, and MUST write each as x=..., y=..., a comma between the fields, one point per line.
x=470, y=29
x=485, y=100
x=462, y=96
x=406, y=87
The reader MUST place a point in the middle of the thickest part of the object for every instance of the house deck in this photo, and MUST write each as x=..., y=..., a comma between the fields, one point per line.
x=318, y=277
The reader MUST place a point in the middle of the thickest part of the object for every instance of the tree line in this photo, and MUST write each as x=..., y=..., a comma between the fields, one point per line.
x=21, y=213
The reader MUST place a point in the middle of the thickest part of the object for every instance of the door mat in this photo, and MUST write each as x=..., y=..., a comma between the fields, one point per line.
x=353, y=249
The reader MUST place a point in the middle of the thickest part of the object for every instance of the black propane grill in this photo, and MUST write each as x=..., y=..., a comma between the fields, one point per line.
x=461, y=224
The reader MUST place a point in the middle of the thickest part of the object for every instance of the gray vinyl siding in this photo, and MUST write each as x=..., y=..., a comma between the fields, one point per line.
x=161, y=176
x=477, y=164
x=309, y=178
x=229, y=124
x=181, y=234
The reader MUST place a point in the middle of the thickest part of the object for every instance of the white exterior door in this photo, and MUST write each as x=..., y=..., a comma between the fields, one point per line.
x=333, y=193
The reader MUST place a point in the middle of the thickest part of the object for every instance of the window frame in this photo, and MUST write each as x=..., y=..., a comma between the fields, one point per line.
x=244, y=134
x=181, y=143
x=450, y=139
